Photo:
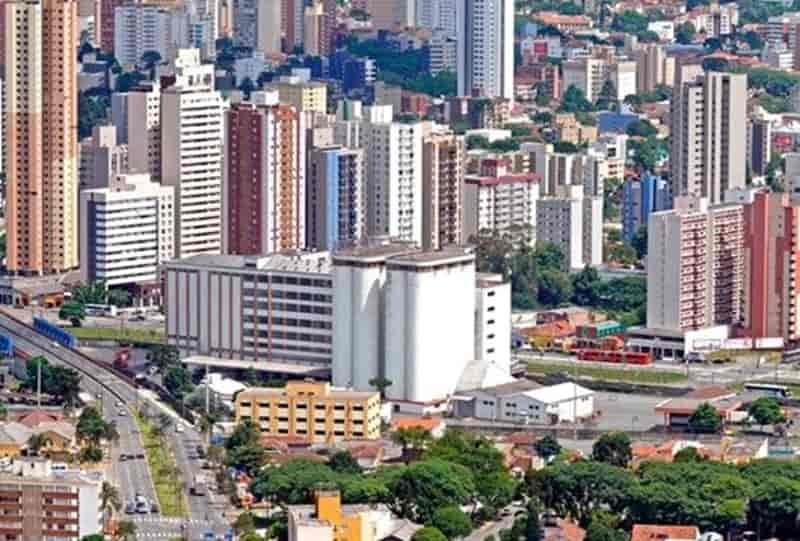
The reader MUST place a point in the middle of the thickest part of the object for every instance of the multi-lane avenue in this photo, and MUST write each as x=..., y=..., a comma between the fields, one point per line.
x=120, y=399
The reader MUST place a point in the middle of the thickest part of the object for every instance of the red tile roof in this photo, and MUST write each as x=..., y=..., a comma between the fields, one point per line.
x=37, y=417
x=649, y=532
x=428, y=423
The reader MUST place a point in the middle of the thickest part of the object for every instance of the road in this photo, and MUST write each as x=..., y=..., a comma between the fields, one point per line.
x=119, y=401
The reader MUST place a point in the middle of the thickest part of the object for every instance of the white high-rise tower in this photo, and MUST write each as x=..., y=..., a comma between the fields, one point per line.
x=485, y=31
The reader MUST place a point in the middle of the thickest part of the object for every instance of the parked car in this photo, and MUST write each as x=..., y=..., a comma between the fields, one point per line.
x=130, y=508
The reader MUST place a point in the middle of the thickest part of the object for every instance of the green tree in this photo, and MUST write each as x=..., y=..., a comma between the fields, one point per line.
x=581, y=488
x=613, y=448
x=37, y=442
x=555, y=288
x=91, y=293
x=126, y=531
x=412, y=440
x=565, y=147
x=94, y=537
x=118, y=297
x=244, y=449
x=574, y=100
x=766, y=411
x=477, y=142
x=630, y=22
x=641, y=128
x=428, y=485
x=547, y=447
x=244, y=523
x=684, y=33
x=705, y=419
x=74, y=312
x=689, y=454
x=110, y=500
x=91, y=454
x=622, y=254
x=598, y=531
x=91, y=426
x=291, y=483
x=611, y=198
x=775, y=507
x=178, y=381
x=607, y=99
x=428, y=533
x=163, y=356
x=344, y=462
x=584, y=286
x=639, y=242
x=452, y=522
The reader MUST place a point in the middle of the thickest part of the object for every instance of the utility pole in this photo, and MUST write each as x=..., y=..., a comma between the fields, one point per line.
x=39, y=384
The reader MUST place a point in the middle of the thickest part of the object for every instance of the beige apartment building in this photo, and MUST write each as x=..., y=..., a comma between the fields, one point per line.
x=311, y=411
x=708, y=151
x=443, y=190
x=42, y=140
x=303, y=95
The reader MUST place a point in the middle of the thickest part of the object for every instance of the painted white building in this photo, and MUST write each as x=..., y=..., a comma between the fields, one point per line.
x=126, y=231
x=485, y=33
x=393, y=166
x=574, y=223
x=513, y=402
x=275, y=308
x=429, y=316
x=191, y=154
x=139, y=28
x=493, y=321
x=250, y=67
x=500, y=201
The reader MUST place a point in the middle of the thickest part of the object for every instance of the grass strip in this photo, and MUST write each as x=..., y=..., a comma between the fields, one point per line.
x=166, y=474
x=118, y=335
x=632, y=374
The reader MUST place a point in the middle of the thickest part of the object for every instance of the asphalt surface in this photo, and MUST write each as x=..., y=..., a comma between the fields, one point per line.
x=119, y=400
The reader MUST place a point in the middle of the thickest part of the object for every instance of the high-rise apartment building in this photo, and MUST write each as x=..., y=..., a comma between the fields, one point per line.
x=191, y=154
x=292, y=12
x=708, y=129
x=759, y=145
x=485, y=33
x=771, y=299
x=245, y=22
x=591, y=74
x=653, y=67
x=126, y=231
x=42, y=147
x=443, y=158
x=139, y=28
x=393, y=155
x=336, y=197
x=268, y=26
x=640, y=198
x=106, y=23
x=264, y=188
x=694, y=265
x=143, y=105
x=437, y=15
x=392, y=14
x=501, y=201
x=573, y=222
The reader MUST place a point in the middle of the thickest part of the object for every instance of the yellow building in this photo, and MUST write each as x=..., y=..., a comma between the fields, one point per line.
x=329, y=520
x=312, y=411
x=303, y=95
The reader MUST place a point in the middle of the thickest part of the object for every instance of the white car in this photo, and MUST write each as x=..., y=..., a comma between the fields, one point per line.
x=179, y=428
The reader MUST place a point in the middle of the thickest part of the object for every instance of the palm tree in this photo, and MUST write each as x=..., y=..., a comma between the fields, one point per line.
x=109, y=499
x=126, y=531
x=37, y=442
x=112, y=434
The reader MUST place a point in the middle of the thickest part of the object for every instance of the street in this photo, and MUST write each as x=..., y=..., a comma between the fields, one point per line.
x=132, y=476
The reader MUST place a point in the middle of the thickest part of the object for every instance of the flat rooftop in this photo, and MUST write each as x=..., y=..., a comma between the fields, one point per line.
x=335, y=393
x=449, y=254
x=375, y=252
x=275, y=367
x=301, y=262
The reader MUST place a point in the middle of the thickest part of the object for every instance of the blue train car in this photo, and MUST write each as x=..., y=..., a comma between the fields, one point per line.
x=54, y=332
x=6, y=345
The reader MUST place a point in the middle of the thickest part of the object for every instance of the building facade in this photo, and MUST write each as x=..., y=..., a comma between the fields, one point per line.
x=126, y=231
x=708, y=130
x=771, y=298
x=264, y=200
x=485, y=35
x=694, y=265
x=640, y=198
x=315, y=412
x=275, y=308
x=102, y=158
x=501, y=201
x=443, y=190
x=143, y=104
x=336, y=198
x=191, y=155
x=41, y=105
x=574, y=223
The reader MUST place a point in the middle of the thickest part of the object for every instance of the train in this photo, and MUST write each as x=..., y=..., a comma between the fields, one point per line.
x=616, y=357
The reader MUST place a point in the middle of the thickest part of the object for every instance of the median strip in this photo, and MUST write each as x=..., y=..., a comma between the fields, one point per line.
x=632, y=375
x=164, y=470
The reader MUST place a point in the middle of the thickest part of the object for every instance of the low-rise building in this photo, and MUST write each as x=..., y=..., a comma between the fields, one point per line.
x=311, y=411
x=649, y=532
x=329, y=520
x=525, y=401
x=44, y=504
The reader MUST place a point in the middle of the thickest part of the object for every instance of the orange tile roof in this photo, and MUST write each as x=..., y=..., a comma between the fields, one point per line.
x=37, y=417
x=428, y=423
x=564, y=531
x=649, y=532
